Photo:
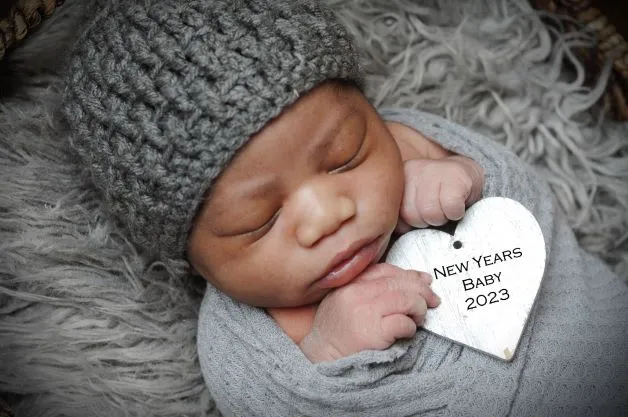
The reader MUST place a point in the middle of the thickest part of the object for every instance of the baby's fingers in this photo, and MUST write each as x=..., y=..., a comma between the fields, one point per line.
x=397, y=326
x=406, y=302
x=474, y=174
x=415, y=284
x=422, y=281
x=420, y=206
x=452, y=199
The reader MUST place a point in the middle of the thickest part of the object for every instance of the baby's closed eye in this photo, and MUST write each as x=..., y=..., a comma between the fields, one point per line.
x=265, y=227
x=345, y=163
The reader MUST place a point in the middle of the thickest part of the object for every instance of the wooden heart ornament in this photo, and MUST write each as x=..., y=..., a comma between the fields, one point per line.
x=487, y=274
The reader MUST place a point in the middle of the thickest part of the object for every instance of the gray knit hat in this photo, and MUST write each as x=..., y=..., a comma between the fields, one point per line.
x=161, y=94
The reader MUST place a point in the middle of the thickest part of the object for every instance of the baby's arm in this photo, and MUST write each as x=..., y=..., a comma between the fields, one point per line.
x=439, y=185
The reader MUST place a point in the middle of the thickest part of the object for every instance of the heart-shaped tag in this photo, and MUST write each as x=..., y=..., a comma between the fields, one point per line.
x=487, y=274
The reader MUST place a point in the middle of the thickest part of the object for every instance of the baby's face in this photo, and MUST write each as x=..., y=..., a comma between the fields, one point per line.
x=308, y=204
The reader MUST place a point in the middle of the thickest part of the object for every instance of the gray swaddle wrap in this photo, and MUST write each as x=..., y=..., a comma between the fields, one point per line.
x=572, y=359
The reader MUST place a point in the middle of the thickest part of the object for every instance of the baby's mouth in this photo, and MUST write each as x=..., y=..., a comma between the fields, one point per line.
x=347, y=265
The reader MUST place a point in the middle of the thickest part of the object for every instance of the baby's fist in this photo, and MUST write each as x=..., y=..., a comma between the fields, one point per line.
x=383, y=304
x=439, y=190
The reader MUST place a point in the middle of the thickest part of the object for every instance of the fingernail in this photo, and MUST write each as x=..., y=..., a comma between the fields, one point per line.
x=438, y=300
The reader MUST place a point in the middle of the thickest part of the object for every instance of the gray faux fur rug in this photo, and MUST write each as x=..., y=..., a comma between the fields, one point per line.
x=87, y=328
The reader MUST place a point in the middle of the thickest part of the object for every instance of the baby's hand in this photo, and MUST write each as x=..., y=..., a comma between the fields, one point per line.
x=439, y=190
x=382, y=305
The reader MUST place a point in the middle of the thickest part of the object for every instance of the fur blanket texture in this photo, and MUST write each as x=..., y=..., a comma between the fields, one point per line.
x=89, y=328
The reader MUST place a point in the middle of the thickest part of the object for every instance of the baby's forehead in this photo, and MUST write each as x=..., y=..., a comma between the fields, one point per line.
x=303, y=125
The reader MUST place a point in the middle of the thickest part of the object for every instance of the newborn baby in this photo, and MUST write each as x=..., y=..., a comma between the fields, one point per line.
x=233, y=139
x=311, y=203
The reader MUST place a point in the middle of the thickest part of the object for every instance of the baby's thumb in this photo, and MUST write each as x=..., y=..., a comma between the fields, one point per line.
x=476, y=173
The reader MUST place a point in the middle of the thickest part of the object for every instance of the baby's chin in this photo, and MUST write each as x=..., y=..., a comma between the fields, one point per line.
x=272, y=300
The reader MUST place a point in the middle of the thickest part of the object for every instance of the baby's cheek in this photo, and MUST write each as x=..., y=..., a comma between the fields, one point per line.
x=392, y=188
x=279, y=271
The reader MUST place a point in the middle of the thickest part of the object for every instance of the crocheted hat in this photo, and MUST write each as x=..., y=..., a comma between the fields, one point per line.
x=161, y=94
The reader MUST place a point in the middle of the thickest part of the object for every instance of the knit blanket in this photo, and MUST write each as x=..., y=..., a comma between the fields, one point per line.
x=89, y=328
x=572, y=358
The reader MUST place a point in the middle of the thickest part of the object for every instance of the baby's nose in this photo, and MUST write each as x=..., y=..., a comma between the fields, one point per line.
x=321, y=213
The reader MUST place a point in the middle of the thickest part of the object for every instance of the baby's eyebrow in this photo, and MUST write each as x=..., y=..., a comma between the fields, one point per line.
x=321, y=146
